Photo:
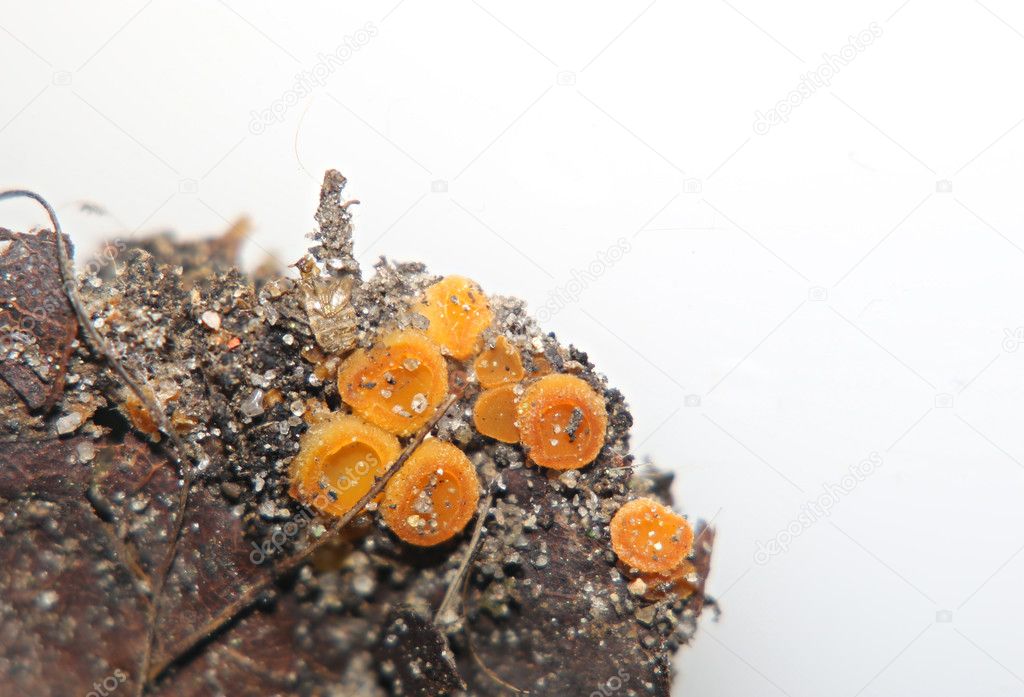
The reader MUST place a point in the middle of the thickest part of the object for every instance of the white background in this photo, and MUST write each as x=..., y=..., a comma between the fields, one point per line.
x=814, y=290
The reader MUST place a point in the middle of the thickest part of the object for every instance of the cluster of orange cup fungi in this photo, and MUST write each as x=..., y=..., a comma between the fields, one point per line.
x=652, y=541
x=558, y=418
x=393, y=390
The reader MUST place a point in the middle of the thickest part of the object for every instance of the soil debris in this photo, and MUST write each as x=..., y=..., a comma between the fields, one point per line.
x=264, y=594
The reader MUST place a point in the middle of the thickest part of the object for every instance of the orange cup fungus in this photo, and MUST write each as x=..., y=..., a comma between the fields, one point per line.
x=678, y=573
x=501, y=365
x=433, y=496
x=675, y=580
x=539, y=366
x=651, y=538
x=339, y=459
x=458, y=312
x=494, y=414
x=562, y=422
x=397, y=384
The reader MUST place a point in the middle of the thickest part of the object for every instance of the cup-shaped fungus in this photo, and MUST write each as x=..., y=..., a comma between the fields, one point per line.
x=432, y=497
x=501, y=365
x=675, y=580
x=458, y=312
x=494, y=414
x=562, y=422
x=397, y=384
x=684, y=569
x=650, y=537
x=339, y=458
x=538, y=365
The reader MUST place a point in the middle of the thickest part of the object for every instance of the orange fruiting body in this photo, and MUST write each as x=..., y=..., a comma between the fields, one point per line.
x=562, y=422
x=458, y=312
x=680, y=582
x=538, y=365
x=397, y=384
x=684, y=569
x=494, y=414
x=339, y=459
x=432, y=497
x=501, y=365
x=141, y=417
x=650, y=537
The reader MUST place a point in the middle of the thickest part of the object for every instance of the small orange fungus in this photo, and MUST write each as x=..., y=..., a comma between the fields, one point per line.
x=397, y=384
x=138, y=413
x=672, y=576
x=432, y=497
x=339, y=459
x=562, y=422
x=501, y=365
x=650, y=537
x=538, y=366
x=458, y=312
x=680, y=581
x=494, y=414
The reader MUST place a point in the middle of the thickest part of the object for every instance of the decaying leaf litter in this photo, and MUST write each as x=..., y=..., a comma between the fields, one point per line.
x=262, y=594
